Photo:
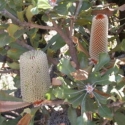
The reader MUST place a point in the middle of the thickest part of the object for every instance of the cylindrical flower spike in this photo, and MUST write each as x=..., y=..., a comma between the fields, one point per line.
x=99, y=36
x=34, y=75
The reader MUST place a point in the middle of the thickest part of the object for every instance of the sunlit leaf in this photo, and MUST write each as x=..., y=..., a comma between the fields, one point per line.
x=58, y=92
x=12, y=29
x=65, y=66
x=43, y=4
x=29, y=14
x=20, y=15
x=13, y=65
x=35, y=10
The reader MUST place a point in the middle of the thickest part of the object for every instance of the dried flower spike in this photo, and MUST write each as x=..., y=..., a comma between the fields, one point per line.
x=35, y=79
x=99, y=36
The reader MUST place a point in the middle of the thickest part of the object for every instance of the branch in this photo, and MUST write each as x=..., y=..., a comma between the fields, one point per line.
x=23, y=24
x=23, y=44
x=69, y=42
x=54, y=102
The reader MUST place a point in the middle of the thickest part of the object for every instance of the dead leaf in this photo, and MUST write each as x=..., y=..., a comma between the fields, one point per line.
x=9, y=105
x=122, y=7
x=73, y=64
x=79, y=46
x=56, y=82
x=106, y=11
x=80, y=74
x=101, y=93
x=25, y=120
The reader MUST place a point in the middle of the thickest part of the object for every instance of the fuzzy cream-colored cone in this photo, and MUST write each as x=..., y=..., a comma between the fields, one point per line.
x=99, y=36
x=34, y=75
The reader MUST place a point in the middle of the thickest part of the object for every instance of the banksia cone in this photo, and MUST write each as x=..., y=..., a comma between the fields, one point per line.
x=99, y=36
x=34, y=75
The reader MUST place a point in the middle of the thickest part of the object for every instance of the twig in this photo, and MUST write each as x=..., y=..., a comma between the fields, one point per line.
x=32, y=25
x=116, y=104
x=105, y=122
x=78, y=7
x=9, y=71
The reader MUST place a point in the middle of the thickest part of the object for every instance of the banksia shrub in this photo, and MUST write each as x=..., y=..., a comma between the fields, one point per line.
x=99, y=36
x=34, y=75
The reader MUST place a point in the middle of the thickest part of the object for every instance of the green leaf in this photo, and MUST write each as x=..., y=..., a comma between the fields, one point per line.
x=12, y=29
x=103, y=81
x=6, y=97
x=58, y=92
x=65, y=66
x=19, y=33
x=11, y=121
x=56, y=42
x=43, y=4
x=35, y=10
x=103, y=60
x=2, y=119
x=4, y=39
x=72, y=115
x=15, y=51
x=62, y=9
x=100, y=99
x=2, y=4
x=85, y=5
x=123, y=45
x=83, y=60
x=76, y=100
x=119, y=118
x=104, y=111
x=13, y=65
x=29, y=14
x=82, y=120
x=90, y=104
x=20, y=15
